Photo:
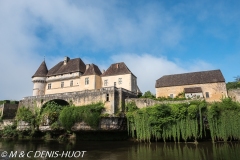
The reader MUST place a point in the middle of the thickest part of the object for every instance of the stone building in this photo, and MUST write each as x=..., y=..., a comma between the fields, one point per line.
x=118, y=75
x=205, y=84
x=72, y=75
x=75, y=82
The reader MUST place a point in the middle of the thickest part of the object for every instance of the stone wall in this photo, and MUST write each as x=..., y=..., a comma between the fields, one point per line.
x=113, y=98
x=234, y=94
x=146, y=102
x=105, y=124
x=216, y=91
x=9, y=111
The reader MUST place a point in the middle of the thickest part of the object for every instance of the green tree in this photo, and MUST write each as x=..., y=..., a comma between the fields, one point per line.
x=237, y=79
x=235, y=84
x=148, y=94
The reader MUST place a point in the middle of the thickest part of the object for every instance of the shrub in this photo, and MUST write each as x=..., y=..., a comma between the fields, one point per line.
x=90, y=114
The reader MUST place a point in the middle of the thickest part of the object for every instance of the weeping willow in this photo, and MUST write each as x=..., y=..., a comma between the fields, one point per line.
x=166, y=122
x=224, y=119
x=185, y=122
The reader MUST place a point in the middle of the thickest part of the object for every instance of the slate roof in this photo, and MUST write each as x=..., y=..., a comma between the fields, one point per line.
x=193, y=90
x=117, y=69
x=92, y=70
x=211, y=76
x=73, y=65
x=41, y=71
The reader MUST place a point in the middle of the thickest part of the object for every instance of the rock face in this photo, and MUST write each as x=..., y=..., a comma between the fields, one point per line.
x=105, y=124
x=234, y=94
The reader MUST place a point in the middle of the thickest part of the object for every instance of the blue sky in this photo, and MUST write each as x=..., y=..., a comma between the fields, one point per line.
x=153, y=38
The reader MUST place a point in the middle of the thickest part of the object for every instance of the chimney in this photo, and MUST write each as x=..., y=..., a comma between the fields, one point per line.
x=103, y=71
x=87, y=66
x=66, y=59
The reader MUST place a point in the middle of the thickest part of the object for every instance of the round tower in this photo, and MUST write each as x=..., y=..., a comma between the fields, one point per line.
x=39, y=80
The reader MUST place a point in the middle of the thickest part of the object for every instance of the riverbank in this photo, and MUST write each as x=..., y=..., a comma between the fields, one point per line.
x=193, y=121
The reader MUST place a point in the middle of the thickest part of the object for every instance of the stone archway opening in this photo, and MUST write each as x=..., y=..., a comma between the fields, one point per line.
x=50, y=111
x=60, y=102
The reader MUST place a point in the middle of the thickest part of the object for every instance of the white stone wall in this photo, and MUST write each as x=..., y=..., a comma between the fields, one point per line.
x=216, y=91
x=128, y=81
x=39, y=84
x=194, y=95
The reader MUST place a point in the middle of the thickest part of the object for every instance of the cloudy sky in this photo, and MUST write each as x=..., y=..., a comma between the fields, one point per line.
x=153, y=38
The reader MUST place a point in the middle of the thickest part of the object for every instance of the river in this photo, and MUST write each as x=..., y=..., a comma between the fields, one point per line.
x=117, y=150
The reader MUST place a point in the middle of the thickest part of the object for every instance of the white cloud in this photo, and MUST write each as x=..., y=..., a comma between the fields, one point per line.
x=31, y=29
x=149, y=68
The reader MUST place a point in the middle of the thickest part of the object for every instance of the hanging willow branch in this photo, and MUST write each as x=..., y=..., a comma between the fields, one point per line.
x=185, y=121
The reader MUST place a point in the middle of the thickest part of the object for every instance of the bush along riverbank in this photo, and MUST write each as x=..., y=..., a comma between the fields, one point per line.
x=185, y=122
x=59, y=120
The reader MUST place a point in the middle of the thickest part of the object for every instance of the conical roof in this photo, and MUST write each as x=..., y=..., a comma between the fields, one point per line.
x=41, y=71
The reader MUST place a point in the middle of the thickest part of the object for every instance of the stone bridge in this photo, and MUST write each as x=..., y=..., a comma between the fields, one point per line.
x=113, y=98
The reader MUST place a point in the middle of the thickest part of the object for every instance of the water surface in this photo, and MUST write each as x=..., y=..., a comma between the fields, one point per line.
x=119, y=150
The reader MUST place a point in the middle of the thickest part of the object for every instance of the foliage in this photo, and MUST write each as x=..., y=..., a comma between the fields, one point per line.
x=148, y=94
x=164, y=121
x=90, y=114
x=223, y=119
x=8, y=101
x=181, y=95
x=9, y=131
x=25, y=114
x=178, y=98
x=50, y=113
x=185, y=121
x=105, y=115
x=237, y=79
x=233, y=85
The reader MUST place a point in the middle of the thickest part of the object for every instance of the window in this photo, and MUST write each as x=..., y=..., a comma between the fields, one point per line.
x=62, y=84
x=105, y=82
x=86, y=81
x=207, y=94
x=171, y=96
x=119, y=80
x=115, y=84
x=49, y=86
x=71, y=83
x=107, y=97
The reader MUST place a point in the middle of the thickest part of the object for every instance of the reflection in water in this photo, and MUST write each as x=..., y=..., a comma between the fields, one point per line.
x=118, y=150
